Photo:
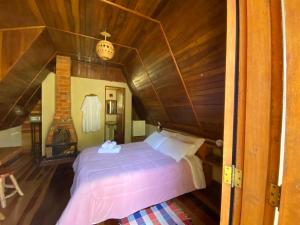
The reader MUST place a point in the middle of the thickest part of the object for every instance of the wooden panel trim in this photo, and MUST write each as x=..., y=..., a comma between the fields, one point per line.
x=229, y=106
x=276, y=101
x=259, y=114
x=180, y=75
x=290, y=196
x=152, y=85
x=241, y=114
x=27, y=87
x=21, y=28
x=1, y=47
x=21, y=55
x=128, y=83
x=29, y=99
x=90, y=37
x=129, y=10
x=110, y=63
x=74, y=55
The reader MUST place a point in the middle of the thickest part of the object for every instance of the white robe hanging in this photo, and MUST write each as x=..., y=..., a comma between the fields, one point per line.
x=91, y=114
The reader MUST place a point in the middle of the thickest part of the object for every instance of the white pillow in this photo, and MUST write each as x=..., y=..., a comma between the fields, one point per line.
x=168, y=133
x=175, y=148
x=155, y=139
x=192, y=140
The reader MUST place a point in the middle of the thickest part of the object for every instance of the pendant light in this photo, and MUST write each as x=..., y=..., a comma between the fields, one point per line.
x=105, y=49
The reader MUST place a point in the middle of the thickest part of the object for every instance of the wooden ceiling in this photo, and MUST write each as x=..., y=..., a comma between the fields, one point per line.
x=172, y=54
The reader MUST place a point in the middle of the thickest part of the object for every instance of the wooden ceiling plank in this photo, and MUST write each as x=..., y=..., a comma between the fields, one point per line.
x=35, y=10
x=20, y=55
x=152, y=85
x=76, y=14
x=27, y=87
x=16, y=13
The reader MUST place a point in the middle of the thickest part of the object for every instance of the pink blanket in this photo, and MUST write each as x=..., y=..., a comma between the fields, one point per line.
x=110, y=186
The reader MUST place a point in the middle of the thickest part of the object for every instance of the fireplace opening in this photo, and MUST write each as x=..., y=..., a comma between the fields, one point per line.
x=61, y=136
x=60, y=141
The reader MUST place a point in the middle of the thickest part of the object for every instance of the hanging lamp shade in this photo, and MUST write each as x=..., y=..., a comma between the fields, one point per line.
x=105, y=49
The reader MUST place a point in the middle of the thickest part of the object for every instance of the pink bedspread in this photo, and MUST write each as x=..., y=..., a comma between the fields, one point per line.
x=110, y=186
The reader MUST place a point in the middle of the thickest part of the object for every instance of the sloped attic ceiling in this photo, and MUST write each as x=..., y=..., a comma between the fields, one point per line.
x=172, y=54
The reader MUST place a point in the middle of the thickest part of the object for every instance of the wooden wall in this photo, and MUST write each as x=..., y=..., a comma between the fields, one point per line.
x=22, y=70
x=179, y=69
x=97, y=71
x=172, y=53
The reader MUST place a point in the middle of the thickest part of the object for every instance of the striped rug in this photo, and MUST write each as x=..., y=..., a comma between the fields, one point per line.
x=166, y=213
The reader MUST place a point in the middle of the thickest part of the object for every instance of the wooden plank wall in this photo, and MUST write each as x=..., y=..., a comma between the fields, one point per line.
x=21, y=81
x=185, y=62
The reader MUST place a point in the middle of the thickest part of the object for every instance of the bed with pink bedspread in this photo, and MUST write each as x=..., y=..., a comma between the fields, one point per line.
x=108, y=186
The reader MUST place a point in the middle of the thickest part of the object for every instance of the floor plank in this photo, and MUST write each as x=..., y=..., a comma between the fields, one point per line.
x=47, y=191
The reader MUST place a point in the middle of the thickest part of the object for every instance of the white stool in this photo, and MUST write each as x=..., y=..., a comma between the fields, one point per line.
x=7, y=172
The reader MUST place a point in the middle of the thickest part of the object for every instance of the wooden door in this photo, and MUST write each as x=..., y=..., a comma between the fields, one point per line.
x=253, y=106
x=120, y=134
x=290, y=197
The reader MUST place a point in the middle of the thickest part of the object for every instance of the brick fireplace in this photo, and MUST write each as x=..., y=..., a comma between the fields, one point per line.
x=62, y=137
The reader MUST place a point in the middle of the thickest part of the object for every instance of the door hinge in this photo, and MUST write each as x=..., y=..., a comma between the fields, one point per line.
x=274, y=195
x=233, y=176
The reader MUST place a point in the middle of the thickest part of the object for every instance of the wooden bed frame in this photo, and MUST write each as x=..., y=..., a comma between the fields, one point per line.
x=206, y=154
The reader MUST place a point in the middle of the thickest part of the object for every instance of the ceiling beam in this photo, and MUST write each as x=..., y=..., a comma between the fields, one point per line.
x=129, y=10
x=108, y=63
x=88, y=36
x=21, y=28
x=113, y=63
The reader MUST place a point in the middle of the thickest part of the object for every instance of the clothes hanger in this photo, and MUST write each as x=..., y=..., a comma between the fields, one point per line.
x=91, y=95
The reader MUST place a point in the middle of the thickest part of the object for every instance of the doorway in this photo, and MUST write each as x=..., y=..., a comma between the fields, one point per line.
x=115, y=114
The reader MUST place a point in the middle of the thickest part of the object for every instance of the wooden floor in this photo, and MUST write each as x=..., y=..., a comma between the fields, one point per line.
x=47, y=193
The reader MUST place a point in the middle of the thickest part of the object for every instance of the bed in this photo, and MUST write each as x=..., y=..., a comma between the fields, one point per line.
x=112, y=186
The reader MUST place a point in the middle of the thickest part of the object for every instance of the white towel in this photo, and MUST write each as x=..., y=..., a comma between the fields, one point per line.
x=114, y=149
x=108, y=144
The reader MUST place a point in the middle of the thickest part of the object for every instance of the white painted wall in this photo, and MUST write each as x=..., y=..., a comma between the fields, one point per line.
x=11, y=137
x=150, y=129
x=80, y=87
